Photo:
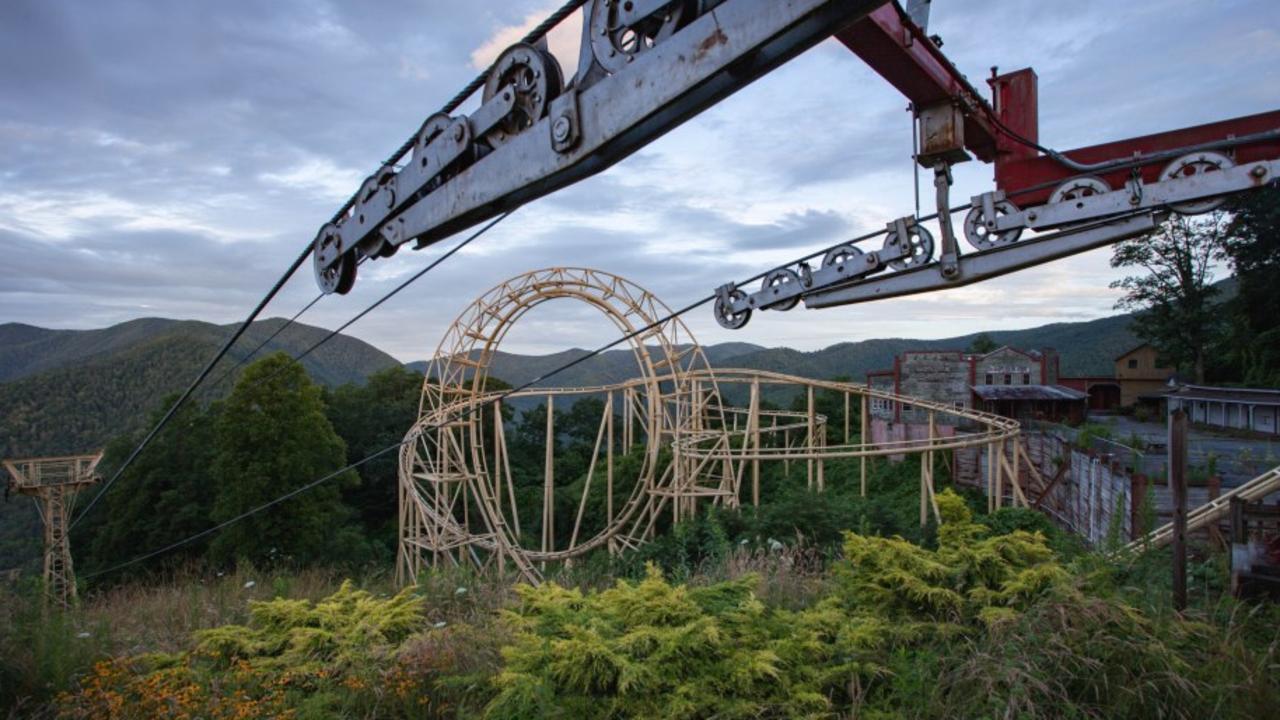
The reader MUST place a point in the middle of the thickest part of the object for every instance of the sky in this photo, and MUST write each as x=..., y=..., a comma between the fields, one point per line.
x=170, y=159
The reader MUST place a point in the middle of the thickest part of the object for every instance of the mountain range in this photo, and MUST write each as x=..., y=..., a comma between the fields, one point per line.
x=65, y=391
x=68, y=390
x=1085, y=348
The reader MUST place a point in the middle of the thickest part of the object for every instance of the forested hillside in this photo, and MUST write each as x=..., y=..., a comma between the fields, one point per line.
x=73, y=390
x=1086, y=348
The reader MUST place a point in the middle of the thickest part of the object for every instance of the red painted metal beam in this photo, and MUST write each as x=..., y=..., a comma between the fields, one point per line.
x=901, y=53
x=1015, y=174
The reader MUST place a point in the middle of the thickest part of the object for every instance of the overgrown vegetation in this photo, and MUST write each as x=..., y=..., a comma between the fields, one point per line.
x=1181, y=312
x=984, y=619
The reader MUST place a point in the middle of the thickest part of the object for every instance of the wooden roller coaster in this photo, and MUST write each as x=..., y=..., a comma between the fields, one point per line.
x=689, y=435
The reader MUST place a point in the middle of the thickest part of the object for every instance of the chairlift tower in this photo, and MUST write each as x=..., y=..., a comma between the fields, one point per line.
x=54, y=482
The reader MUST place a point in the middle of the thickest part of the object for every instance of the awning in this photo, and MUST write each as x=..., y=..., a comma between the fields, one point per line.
x=1028, y=392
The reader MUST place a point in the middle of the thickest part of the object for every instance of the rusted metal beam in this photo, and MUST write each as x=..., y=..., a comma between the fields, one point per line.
x=902, y=53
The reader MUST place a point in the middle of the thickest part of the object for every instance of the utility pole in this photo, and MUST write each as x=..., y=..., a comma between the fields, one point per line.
x=1178, y=487
x=54, y=482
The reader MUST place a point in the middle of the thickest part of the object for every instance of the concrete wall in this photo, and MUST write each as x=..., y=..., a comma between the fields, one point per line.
x=881, y=409
x=884, y=432
x=937, y=376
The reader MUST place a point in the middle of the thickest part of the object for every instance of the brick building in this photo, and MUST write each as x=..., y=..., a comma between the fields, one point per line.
x=1008, y=381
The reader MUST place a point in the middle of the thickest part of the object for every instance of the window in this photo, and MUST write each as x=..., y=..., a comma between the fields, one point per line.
x=1133, y=363
x=1008, y=379
x=1026, y=378
x=991, y=379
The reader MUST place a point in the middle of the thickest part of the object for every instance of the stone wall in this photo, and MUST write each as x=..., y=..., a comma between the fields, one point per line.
x=937, y=376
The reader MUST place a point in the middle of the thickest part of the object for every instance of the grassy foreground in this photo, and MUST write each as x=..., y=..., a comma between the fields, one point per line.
x=986, y=621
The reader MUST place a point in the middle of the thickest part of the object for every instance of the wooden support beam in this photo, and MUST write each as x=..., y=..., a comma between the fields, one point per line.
x=846, y=417
x=548, y=481
x=591, y=471
x=810, y=435
x=753, y=421
x=608, y=491
x=864, y=441
x=1178, y=487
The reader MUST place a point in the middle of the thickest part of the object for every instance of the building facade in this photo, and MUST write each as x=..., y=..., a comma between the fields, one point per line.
x=1250, y=409
x=1008, y=381
x=1138, y=372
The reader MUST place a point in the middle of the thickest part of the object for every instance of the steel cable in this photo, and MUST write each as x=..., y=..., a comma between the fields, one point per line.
x=208, y=368
x=470, y=410
x=467, y=91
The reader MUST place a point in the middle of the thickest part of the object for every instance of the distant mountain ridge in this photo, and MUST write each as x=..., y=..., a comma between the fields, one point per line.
x=72, y=390
x=1085, y=348
x=67, y=390
x=27, y=350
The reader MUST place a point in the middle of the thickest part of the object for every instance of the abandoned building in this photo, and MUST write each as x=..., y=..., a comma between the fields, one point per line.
x=1250, y=409
x=1137, y=376
x=1022, y=384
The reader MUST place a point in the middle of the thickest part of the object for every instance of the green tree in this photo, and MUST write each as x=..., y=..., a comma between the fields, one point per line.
x=1253, y=248
x=274, y=437
x=982, y=345
x=371, y=417
x=1175, y=297
x=165, y=495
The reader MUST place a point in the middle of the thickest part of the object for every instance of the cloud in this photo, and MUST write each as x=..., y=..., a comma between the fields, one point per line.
x=319, y=175
x=562, y=40
x=171, y=159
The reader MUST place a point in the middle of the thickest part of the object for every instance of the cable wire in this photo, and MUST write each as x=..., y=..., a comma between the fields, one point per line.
x=415, y=277
x=332, y=334
x=467, y=412
x=208, y=368
x=222, y=378
x=533, y=36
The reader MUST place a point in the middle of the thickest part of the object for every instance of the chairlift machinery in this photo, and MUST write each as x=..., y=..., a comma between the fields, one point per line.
x=646, y=66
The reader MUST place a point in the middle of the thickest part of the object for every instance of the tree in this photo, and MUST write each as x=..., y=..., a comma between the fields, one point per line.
x=1175, y=298
x=164, y=496
x=371, y=417
x=274, y=437
x=982, y=344
x=1253, y=248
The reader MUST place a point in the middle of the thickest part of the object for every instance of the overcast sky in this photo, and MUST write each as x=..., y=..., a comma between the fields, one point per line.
x=169, y=159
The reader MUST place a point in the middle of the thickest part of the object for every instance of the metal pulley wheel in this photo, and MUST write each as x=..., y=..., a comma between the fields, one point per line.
x=1079, y=188
x=535, y=77
x=1190, y=166
x=340, y=275
x=616, y=40
x=917, y=247
x=726, y=317
x=432, y=128
x=773, y=285
x=846, y=257
x=980, y=231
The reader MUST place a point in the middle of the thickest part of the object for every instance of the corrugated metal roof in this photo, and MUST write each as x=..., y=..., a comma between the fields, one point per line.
x=1028, y=392
x=1252, y=396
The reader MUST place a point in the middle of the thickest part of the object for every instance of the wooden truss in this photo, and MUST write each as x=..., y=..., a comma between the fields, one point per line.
x=54, y=483
x=458, y=497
